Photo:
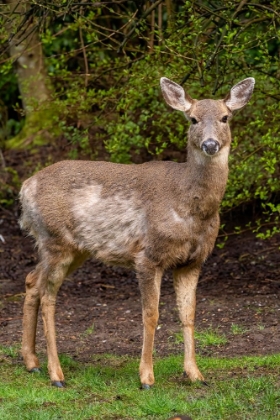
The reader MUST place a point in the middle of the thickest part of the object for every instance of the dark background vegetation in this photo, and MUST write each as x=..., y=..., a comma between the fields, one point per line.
x=85, y=75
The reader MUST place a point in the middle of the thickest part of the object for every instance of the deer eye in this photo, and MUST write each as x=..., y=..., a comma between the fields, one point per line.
x=224, y=119
x=194, y=121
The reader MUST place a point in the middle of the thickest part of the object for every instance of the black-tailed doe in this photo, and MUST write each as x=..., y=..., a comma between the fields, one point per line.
x=152, y=217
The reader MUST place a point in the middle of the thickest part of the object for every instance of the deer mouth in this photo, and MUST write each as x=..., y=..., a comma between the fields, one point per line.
x=210, y=147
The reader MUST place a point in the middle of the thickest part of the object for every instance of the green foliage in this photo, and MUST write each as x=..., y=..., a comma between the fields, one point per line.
x=9, y=186
x=104, y=63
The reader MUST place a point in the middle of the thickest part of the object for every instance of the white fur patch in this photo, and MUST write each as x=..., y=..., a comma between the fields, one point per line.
x=27, y=197
x=176, y=217
x=222, y=157
x=199, y=156
x=109, y=228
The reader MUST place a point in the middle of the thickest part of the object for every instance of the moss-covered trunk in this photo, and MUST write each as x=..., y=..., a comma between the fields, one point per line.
x=26, y=50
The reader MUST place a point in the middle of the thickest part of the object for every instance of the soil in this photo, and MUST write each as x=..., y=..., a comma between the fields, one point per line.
x=99, y=308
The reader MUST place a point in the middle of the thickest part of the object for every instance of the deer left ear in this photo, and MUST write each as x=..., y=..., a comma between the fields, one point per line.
x=240, y=94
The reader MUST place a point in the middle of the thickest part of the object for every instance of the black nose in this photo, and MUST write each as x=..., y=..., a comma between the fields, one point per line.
x=210, y=146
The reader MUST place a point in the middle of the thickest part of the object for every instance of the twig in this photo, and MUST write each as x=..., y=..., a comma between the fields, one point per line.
x=27, y=35
x=185, y=78
x=160, y=23
x=261, y=6
x=249, y=229
x=216, y=51
x=193, y=68
x=11, y=13
x=145, y=14
x=244, y=26
x=10, y=319
x=217, y=84
x=152, y=37
x=26, y=17
x=2, y=160
x=8, y=212
x=84, y=53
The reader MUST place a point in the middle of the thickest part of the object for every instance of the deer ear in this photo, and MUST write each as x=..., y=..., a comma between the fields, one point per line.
x=175, y=95
x=240, y=94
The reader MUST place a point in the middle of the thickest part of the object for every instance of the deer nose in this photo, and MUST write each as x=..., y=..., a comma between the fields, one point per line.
x=210, y=147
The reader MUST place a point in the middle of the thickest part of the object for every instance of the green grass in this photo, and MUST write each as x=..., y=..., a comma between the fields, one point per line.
x=108, y=388
x=237, y=329
x=205, y=338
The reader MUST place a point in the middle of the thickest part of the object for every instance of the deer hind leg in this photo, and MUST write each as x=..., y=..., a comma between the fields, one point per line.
x=30, y=316
x=185, y=282
x=149, y=283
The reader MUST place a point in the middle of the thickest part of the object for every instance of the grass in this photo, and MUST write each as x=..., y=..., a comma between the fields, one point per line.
x=239, y=388
x=210, y=337
x=205, y=338
x=237, y=329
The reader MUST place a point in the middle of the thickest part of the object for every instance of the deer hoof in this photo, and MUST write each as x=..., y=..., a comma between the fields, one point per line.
x=198, y=381
x=35, y=370
x=145, y=386
x=58, y=384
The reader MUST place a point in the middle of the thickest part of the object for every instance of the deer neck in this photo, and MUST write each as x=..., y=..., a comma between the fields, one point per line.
x=216, y=166
x=206, y=179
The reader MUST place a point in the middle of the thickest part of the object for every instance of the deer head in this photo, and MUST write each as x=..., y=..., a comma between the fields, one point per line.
x=209, y=130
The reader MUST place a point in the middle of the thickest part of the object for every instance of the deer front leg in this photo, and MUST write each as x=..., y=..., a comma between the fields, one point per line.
x=30, y=316
x=149, y=283
x=48, y=302
x=54, y=368
x=185, y=282
x=53, y=278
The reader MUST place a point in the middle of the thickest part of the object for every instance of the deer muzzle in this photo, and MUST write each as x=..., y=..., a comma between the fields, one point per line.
x=210, y=147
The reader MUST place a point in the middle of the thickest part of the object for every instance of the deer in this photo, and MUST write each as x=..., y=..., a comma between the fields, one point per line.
x=150, y=217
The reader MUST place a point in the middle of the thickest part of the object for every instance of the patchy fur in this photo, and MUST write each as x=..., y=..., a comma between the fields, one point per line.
x=151, y=217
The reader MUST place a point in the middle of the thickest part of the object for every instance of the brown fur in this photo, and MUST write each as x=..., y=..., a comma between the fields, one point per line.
x=151, y=217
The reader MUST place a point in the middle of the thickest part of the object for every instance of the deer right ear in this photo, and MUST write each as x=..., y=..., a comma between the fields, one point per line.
x=175, y=95
x=240, y=94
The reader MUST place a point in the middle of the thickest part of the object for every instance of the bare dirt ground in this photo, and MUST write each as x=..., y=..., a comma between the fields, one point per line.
x=99, y=308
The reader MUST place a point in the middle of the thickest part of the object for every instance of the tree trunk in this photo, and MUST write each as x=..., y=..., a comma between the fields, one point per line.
x=26, y=50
